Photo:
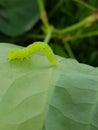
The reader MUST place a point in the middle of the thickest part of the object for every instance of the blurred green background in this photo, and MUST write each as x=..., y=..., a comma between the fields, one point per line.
x=20, y=24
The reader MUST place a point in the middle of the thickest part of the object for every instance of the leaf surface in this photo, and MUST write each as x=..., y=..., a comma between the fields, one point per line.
x=24, y=89
x=34, y=95
x=74, y=104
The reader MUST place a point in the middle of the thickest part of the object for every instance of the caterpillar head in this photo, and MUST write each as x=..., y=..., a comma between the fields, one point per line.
x=12, y=54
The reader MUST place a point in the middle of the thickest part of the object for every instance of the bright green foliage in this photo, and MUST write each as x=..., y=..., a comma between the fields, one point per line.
x=35, y=94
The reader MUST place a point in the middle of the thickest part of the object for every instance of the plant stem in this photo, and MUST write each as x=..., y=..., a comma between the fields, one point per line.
x=37, y=36
x=85, y=4
x=48, y=35
x=90, y=34
x=58, y=4
x=43, y=14
x=87, y=21
x=52, y=36
x=69, y=51
x=47, y=28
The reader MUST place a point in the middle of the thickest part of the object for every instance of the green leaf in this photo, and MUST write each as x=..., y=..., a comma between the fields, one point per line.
x=17, y=16
x=24, y=89
x=34, y=95
x=74, y=104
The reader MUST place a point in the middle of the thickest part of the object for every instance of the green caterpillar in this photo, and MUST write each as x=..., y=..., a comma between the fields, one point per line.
x=31, y=49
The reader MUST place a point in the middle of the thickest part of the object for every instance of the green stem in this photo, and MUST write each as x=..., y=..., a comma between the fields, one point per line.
x=89, y=20
x=85, y=4
x=90, y=34
x=68, y=49
x=36, y=36
x=48, y=35
x=47, y=28
x=43, y=13
x=58, y=4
